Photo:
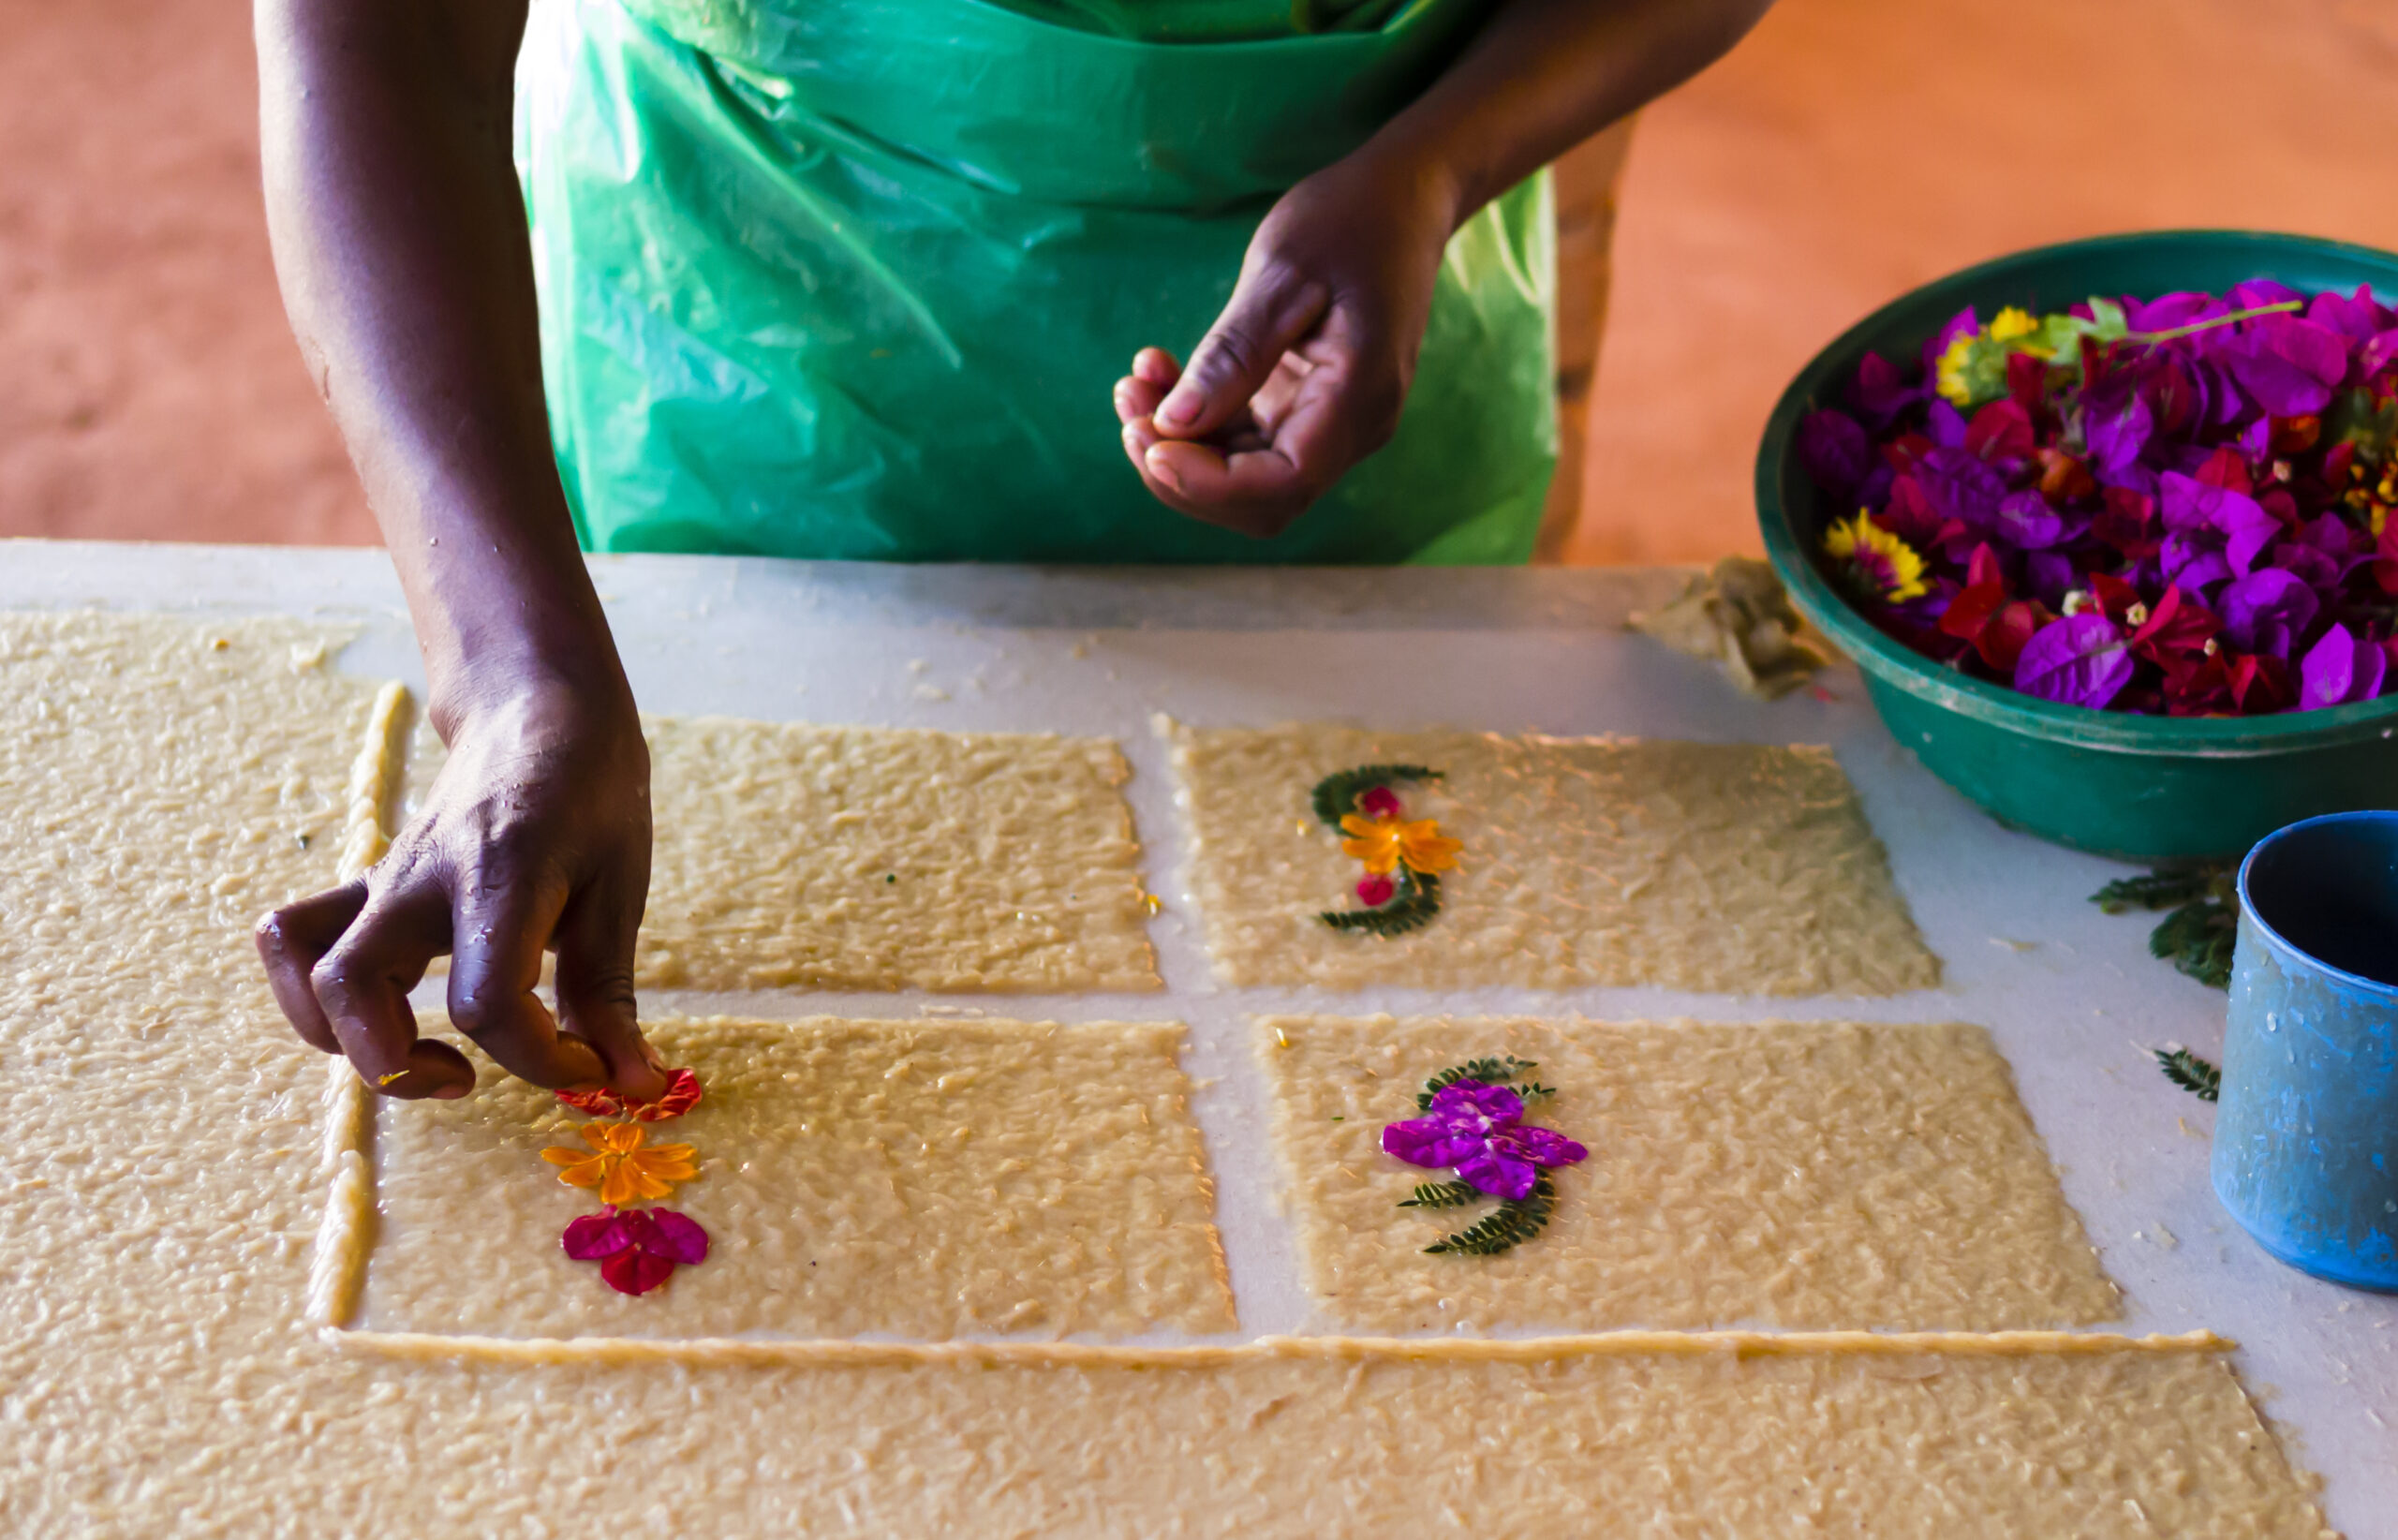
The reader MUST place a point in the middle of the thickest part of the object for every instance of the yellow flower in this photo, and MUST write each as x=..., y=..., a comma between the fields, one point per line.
x=1876, y=562
x=1382, y=843
x=622, y=1170
x=2012, y=324
x=1950, y=372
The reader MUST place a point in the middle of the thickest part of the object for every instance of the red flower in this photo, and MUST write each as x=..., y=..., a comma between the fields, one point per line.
x=1999, y=431
x=1378, y=802
x=2129, y=524
x=1375, y=890
x=1983, y=616
x=682, y=1095
x=637, y=1249
x=2259, y=683
x=2176, y=628
x=2225, y=469
x=2197, y=684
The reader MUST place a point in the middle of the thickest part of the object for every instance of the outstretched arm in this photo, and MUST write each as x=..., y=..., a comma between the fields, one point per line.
x=400, y=241
x=1304, y=373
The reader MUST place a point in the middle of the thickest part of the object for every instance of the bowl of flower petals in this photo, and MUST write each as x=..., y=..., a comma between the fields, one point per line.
x=2111, y=530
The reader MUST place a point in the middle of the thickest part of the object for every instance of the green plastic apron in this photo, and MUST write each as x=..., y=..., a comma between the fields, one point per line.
x=853, y=278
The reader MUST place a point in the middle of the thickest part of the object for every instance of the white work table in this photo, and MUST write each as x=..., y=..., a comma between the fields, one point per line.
x=2071, y=996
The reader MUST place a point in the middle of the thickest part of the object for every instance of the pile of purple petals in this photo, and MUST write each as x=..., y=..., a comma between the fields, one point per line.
x=2180, y=505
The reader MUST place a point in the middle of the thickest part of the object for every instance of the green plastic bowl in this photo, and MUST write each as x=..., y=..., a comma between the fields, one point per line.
x=2142, y=787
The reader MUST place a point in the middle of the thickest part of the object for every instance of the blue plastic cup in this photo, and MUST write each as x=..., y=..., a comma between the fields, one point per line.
x=2306, y=1140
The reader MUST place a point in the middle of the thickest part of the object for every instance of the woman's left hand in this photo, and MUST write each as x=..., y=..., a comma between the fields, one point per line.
x=1304, y=373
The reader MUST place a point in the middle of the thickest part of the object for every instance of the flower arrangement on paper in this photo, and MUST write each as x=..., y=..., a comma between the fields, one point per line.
x=637, y=1249
x=1471, y=1122
x=1403, y=857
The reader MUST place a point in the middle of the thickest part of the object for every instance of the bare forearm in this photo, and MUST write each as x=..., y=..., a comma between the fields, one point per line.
x=399, y=237
x=1543, y=75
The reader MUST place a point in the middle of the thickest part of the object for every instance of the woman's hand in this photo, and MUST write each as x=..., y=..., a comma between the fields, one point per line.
x=1304, y=373
x=535, y=837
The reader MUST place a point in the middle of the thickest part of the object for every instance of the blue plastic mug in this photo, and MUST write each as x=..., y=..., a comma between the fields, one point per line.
x=2307, y=1141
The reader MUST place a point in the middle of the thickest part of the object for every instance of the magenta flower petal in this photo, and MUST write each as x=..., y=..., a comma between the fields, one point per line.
x=2339, y=669
x=1545, y=1146
x=595, y=1236
x=2268, y=609
x=1378, y=802
x=1837, y=454
x=2080, y=660
x=636, y=1272
x=678, y=1237
x=2288, y=367
x=1468, y=1099
x=2026, y=520
x=1499, y=1174
x=1431, y=1142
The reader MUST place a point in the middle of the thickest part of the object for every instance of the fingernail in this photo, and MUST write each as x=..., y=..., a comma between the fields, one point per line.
x=652, y=1058
x=1162, y=466
x=1179, y=409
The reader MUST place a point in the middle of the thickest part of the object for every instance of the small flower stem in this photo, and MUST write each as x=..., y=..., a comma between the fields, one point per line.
x=2284, y=308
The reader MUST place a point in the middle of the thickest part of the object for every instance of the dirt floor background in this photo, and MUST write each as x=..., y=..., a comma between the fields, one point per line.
x=1849, y=150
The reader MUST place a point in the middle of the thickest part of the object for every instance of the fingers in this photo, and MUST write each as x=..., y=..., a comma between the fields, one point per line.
x=1269, y=311
x=361, y=986
x=505, y=921
x=594, y=989
x=1324, y=425
x=291, y=941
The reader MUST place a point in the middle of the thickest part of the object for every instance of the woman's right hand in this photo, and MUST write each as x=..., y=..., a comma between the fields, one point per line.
x=534, y=837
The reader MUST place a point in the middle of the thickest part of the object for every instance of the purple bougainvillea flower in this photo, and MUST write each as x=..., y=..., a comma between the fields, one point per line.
x=2049, y=576
x=2340, y=667
x=2268, y=610
x=2116, y=422
x=1836, y=452
x=2253, y=292
x=1960, y=487
x=2211, y=532
x=1880, y=393
x=2081, y=660
x=2026, y=521
x=2378, y=353
x=2288, y=366
x=1478, y=1129
x=1943, y=424
x=637, y=1249
x=2168, y=311
x=2355, y=317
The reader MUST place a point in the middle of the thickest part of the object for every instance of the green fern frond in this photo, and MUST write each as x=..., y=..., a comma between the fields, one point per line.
x=2198, y=939
x=1515, y=1222
x=2168, y=889
x=1411, y=907
x=2191, y=1073
x=1337, y=794
x=1442, y=1196
x=1498, y=1072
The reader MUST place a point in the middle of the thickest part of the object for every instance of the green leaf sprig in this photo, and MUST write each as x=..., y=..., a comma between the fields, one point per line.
x=1411, y=907
x=2197, y=937
x=2191, y=1073
x=1515, y=1222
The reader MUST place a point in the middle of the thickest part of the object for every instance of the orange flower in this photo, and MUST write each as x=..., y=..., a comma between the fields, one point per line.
x=622, y=1170
x=1382, y=843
